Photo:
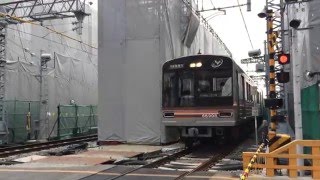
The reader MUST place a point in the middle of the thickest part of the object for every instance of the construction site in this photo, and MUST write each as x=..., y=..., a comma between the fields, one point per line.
x=131, y=89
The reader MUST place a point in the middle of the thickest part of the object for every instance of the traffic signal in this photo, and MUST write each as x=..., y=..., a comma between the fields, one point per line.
x=284, y=59
x=283, y=77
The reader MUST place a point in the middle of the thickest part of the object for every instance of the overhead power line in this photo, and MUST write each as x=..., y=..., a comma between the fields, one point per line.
x=245, y=25
x=51, y=41
x=50, y=29
x=206, y=25
x=212, y=3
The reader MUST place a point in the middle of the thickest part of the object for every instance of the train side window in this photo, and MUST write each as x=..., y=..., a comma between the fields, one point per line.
x=243, y=88
x=240, y=87
x=247, y=91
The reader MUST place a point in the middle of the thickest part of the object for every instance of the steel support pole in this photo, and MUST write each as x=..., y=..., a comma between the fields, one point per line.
x=272, y=85
x=296, y=67
x=3, y=120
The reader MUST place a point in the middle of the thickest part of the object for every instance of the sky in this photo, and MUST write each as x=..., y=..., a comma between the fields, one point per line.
x=231, y=29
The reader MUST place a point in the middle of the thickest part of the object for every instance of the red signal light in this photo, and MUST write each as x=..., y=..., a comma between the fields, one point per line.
x=284, y=59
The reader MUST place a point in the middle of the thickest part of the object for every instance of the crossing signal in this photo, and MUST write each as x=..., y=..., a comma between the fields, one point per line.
x=283, y=77
x=273, y=103
x=284, y=59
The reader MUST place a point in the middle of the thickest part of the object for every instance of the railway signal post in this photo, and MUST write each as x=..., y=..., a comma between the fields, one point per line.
x=273, y=103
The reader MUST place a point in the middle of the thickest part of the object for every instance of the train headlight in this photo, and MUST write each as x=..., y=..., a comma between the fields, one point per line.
x=192, y=65
x=199, y=64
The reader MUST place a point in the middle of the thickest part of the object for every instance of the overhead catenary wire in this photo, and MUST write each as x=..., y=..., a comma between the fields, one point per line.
x=212, y=4
x=50, y=29
x=245, y=25
x=24, y=54
x=63, y=76
x=51, y=40
x=202, y=19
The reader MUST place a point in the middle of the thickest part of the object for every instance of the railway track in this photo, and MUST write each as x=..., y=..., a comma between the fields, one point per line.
x=187, y=161
x=21, y=149
x=196, y=164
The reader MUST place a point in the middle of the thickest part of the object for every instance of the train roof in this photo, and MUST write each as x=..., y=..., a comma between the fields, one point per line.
x=198, y=55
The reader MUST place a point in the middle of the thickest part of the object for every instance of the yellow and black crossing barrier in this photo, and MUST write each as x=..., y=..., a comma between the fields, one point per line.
x=277, y=140
x=245, y=173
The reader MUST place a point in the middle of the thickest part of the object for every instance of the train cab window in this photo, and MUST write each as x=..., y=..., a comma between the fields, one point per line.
x=210, y=86
x=227, y=88
x=222, y=86
x=168, y=90
x=186, y=91
x=186, y=87
x=205, y=86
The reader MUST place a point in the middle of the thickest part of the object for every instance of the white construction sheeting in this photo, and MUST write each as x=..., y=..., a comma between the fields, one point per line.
x=304, y=42
x=135, y=38
x=71, y=74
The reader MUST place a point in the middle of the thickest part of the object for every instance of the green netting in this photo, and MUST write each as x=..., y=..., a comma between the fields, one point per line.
x=16, y=113
x=74, y=120
x=310, y=112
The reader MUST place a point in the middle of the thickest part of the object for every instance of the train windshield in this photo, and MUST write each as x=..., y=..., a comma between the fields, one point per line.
x=197, y=88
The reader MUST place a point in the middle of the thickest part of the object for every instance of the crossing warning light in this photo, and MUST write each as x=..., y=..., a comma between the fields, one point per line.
x=283, y=77
x=284, y=59
x=273, y=103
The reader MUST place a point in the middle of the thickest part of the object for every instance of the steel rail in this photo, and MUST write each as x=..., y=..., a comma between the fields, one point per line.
x=156, y=163
x=207, y=164
x=14, y=150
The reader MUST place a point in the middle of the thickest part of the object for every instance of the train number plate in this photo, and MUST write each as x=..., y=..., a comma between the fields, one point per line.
x=209, y=115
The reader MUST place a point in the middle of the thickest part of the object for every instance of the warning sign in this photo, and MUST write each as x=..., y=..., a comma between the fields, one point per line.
x=255, y=111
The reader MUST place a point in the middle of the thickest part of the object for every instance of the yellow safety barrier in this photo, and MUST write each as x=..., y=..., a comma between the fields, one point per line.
x=245, y=174
x=289, y=151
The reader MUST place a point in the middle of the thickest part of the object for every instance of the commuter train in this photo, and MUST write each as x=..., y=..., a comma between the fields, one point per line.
x=208, y=96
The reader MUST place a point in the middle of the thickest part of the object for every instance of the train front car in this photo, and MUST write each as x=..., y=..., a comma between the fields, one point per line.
x=200, y=97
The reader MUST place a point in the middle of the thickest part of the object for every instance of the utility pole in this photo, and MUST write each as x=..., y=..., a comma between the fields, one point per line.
x=44, y=94
x=3, y=123
x=296, y=83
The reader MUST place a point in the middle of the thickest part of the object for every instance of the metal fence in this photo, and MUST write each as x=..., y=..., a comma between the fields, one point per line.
x=72, y=120
x=75, y=120
x=22, y=118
